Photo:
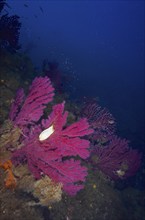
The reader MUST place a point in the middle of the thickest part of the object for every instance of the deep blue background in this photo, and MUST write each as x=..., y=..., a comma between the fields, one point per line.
x=101, y=43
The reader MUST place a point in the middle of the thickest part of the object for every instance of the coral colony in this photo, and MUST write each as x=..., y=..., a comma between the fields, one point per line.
x=100, y=119
x=109, y=153
x=48, y=148
x=116, y=159
x=52, y=149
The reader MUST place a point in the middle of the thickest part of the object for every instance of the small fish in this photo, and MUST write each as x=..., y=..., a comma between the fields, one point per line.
x=25, y=5
x=120, y=173
x=41, y=9
x=111, y=122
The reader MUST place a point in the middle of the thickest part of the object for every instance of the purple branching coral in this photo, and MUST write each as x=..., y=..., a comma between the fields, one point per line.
x=101, y=120
x=110, y=154
x=28, y=112
x=49, y=146
x=116, y=159
x=54, y=155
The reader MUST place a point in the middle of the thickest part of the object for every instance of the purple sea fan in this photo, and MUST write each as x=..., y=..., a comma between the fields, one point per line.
x=116, y=159
x=101, y=120
x=23, y=113
x=51, y=149
x=16, y=104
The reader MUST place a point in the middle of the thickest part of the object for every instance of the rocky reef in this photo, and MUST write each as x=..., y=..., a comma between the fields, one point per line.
x=43, y=199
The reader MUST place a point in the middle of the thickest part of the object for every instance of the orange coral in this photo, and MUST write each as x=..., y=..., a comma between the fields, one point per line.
x=10, y=181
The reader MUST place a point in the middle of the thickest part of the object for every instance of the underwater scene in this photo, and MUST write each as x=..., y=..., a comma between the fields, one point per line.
x=72, y=110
